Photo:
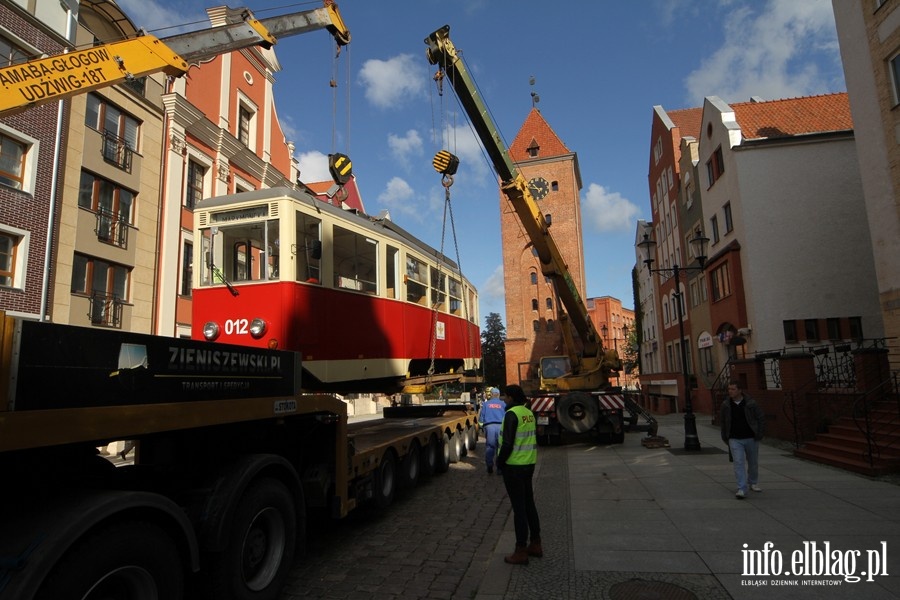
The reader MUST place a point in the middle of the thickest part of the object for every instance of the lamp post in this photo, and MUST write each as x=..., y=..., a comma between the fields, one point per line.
x=625, y=339
x=698, y=243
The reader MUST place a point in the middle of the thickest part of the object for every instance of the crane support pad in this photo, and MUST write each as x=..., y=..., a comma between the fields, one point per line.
x=60, y=366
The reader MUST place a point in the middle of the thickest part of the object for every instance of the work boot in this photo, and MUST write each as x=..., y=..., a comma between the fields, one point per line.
x=519, y=557
x=534, y=548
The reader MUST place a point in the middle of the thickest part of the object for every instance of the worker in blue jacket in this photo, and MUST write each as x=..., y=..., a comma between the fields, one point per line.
x=489, y=420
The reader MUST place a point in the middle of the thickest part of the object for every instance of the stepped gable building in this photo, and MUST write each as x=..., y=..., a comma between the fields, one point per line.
x=532, y=313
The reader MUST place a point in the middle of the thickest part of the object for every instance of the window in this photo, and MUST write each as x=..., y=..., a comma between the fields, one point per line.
x=120, y=130
x=195, y=179
x=187, y=267
x=12, y=162
x=536, y=325
x=416, y=280
x=729, y=225
x=550, y=325
x=549, y=304
x=657, y=150
x=715, y=166
x=106, y=284
x=355, y=261
x=244, y=117
x=790, y=331
x=114, y=206
x=8, y=246
x=438, y=288
x=533, y=278
x=455, y=297
x=534, y=304
x=895, y=77
x=10, y=53
x=714, y=228
x=554, y=186
x=720, y=282
x=856, y=330
x=834, y=328
x=811, y=328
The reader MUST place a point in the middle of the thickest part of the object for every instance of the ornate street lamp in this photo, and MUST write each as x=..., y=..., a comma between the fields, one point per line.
x=698, y=245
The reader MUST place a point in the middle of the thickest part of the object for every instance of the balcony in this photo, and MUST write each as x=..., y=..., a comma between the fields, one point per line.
x=117, y=152
x=105, y=310
x=111, y=229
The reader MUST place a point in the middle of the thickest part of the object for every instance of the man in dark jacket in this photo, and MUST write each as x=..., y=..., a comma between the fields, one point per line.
x=743, y=425
x=517, y=458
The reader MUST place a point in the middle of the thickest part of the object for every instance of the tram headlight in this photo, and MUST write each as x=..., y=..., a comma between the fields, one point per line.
x=211, y=330
x=257, y=328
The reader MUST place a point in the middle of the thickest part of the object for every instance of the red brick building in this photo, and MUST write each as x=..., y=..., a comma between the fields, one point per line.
x=532, y=313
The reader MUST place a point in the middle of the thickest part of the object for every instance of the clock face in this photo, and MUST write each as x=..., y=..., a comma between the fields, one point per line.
x=539, y=188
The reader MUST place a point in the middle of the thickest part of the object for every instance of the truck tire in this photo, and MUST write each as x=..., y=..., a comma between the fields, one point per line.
x=443, y=463
x=260, y=549
x=471, y=438
x=430, y=456
x=456, y=447
x=411, y=469
x=385, y=485
x=578, y=412
x=134, y=560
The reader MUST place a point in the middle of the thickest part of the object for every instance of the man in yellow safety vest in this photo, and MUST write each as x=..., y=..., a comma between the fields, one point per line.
x=516, y=459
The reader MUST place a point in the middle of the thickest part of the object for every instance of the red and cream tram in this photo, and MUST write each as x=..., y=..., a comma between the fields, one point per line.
x=368, y=306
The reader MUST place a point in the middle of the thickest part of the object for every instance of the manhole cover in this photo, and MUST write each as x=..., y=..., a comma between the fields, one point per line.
x=639, y=589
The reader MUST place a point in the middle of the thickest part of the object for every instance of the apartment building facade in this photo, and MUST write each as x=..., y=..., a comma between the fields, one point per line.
x=32, y=150
x=869, y=37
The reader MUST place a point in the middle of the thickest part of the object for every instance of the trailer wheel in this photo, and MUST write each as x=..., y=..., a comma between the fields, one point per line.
x=411, y=469
x=578, y=412
x=133, y=560
x=471, y=438
x=430, y=456
x=443, y=463
x=456, y=447
x=260, y=548
x=385, y=480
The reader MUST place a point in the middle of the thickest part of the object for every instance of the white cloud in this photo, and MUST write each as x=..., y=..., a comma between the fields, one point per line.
x=493, y=287
x=403, y=147
x=462, y=141
x=398, y=197
x=313, y=167
x=772, y=53
x=390, y=82
x=608, y=211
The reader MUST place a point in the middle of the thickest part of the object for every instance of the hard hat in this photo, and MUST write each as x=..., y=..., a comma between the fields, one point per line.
x=495, y=391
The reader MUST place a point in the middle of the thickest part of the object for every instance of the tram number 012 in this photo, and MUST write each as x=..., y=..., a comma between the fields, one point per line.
x=237, y=326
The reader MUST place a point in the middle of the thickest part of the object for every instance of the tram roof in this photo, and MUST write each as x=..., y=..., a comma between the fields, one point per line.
x=390, y=228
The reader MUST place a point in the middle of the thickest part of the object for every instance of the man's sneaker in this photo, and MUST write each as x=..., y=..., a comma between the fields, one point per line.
x=740, y=495
x=755, y=488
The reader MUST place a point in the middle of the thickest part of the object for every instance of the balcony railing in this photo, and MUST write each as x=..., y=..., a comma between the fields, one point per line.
x=117, y=151
x=111, y=229
x=106, y=310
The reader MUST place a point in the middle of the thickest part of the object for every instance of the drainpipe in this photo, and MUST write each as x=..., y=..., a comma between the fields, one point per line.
x=54, y=182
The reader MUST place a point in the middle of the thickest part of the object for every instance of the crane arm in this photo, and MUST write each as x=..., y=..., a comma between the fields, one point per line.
x=52, y=78
x=443, y=53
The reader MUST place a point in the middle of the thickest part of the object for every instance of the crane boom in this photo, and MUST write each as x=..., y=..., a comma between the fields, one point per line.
x=590, y=368
x=54, y=77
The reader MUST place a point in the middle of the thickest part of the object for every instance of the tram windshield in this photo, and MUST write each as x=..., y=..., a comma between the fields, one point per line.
x=240, y=252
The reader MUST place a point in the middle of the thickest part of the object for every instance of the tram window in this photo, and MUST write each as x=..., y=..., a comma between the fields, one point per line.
x=438, y=287
x=416, y=281
x=390, y=272
x=355, y=259
x=308, y=249
x=455, y=297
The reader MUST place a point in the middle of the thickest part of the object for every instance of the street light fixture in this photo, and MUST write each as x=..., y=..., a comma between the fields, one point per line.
x=698, y=245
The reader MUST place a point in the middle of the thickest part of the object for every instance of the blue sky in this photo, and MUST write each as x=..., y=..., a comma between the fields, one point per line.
x=599, y=67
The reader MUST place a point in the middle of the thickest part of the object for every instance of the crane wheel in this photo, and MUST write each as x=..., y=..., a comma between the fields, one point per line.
x=578, y=412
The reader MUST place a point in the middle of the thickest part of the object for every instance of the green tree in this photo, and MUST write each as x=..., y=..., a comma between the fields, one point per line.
x=493, y=351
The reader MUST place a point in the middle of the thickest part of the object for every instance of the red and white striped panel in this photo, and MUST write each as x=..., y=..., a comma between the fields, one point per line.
x=611, y=401
x=543, y=404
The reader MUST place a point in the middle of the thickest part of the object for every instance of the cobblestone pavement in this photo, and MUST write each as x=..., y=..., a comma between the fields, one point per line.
x=434, y=542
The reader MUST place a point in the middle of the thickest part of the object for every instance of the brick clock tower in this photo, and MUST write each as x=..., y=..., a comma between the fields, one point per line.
x=532, y=311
